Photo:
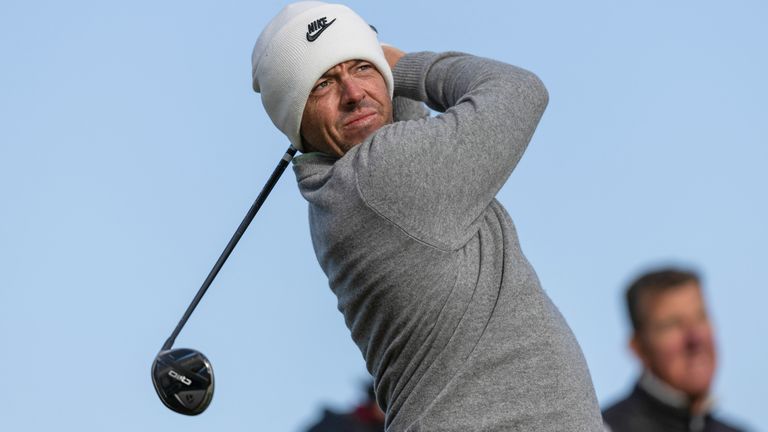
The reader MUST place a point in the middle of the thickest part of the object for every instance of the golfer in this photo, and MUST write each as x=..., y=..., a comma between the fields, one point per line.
x=425, y=262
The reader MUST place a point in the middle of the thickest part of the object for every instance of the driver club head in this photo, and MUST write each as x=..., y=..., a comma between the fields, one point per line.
x=183, y=378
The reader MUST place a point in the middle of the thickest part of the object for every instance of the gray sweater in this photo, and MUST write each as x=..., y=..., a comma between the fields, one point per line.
x=426, y=264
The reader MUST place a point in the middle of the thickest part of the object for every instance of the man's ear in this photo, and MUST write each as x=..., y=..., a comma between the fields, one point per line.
x=638, y=349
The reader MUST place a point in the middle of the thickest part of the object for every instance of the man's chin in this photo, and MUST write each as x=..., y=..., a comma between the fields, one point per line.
x=358, y=136
x=359, y=130
x=696, y=385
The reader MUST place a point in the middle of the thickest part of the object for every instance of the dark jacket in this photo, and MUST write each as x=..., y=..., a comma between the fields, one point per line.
x=641, y=412
x=361, y=419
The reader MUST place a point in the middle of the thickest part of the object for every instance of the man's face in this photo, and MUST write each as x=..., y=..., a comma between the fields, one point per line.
x=675, y=342
x=348, y=103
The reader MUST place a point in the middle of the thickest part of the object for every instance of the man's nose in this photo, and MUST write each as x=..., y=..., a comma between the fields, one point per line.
x=696, y=337
x=352, y=92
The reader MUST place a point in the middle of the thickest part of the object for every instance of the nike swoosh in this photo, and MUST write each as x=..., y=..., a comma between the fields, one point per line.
x=312, y=38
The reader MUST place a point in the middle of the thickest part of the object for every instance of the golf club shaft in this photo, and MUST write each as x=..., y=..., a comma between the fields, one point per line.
x=284, y=161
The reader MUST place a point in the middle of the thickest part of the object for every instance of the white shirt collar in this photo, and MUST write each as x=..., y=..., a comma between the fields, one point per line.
x=668, y=394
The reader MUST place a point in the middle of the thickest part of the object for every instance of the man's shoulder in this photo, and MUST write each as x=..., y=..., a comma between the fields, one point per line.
x=718, y=425
x=634, y=413
x=620, y=409
x=629, y=414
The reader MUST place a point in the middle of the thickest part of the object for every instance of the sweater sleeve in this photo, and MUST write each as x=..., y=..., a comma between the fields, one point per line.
x=435, y=176
x=408, y=109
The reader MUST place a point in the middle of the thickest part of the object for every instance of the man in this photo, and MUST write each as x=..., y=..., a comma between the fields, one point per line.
x=672, y=338
x=425, y=263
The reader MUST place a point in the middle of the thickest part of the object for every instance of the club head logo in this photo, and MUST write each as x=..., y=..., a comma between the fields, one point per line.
x=175, y=375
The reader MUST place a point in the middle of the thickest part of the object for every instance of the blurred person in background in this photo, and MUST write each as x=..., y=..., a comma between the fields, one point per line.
x=365, y=417
x=673, y=340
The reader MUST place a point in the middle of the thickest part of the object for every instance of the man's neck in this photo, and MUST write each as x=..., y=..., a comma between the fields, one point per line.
x=671, y=396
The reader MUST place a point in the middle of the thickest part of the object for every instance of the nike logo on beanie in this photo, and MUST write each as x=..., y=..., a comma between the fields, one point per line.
x=317, y=27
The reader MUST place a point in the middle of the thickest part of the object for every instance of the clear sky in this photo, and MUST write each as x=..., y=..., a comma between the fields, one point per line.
x=131, y=145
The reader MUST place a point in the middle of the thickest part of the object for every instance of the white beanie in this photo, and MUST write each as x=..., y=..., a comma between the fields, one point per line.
x=298, y=46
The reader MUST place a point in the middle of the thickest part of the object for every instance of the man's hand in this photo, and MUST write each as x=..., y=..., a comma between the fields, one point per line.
x=392, y=54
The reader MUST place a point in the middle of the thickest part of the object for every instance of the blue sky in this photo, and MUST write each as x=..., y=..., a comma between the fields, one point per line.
x=131, y=145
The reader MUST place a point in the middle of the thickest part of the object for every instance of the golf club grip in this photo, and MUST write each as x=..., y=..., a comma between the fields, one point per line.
x=284, y=161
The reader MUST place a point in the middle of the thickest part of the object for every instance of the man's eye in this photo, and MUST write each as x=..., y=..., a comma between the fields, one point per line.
x=321, y=85
x=364, y=67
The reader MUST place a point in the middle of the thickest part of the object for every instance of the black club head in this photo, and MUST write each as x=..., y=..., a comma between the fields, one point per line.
x=183, y=379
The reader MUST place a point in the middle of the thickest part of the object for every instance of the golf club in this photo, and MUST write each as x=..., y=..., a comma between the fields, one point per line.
x=183, y=377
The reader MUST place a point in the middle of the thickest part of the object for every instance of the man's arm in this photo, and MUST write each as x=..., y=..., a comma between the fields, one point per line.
x=402, y=107
x=408, y=109
x=434, y=177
